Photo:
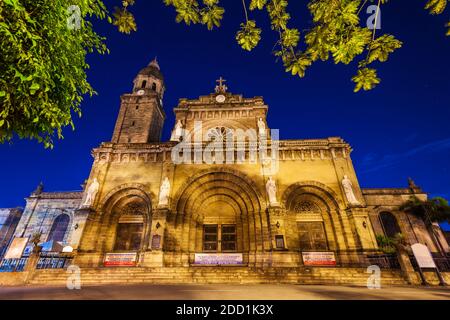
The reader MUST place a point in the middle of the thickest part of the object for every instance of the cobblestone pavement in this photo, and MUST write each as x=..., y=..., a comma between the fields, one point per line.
x=226, y=292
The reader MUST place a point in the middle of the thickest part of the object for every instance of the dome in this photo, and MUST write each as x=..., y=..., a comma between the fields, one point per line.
x=152, y=70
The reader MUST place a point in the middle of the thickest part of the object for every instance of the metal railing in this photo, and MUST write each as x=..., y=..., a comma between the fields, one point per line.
x=46, y=261
x=13, y=265
x=384, y=261
x=53, y=262
x=442, y=262
x=390, y=261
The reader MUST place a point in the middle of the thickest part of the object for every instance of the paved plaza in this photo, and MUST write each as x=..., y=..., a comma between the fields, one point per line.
x=226, y=292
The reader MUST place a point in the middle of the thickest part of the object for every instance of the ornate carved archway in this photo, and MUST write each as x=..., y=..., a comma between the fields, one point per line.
x=121, y=202
x=223, y=196
x=312, y=201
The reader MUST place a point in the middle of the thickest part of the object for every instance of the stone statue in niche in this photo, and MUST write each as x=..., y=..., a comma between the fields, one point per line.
x=164, y=192
x=177, y=132
x=91, y=193
x=261, y=127
x=271, y=189
x=349, y=193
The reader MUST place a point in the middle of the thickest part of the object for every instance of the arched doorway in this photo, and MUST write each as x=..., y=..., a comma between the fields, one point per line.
x=310, y=226
x=220, y=219
x=218, y=212
x=121, y=224
x=130, y=227
x=316, y=221
x=125, y=221
x=389, y=224
x=59, y=228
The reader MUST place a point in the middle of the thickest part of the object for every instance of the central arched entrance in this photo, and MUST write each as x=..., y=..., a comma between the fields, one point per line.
x=218, y=212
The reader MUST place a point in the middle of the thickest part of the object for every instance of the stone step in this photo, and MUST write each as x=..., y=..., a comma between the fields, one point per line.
x=240, y=275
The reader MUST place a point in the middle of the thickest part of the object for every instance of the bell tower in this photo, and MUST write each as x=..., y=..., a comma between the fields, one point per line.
x=141, y=116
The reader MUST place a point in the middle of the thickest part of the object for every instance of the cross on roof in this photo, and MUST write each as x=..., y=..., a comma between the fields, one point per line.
x=221, y=81
x=221, y=87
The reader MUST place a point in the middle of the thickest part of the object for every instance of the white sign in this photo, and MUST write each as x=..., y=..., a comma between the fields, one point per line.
x=218, y=258
x=127, y=259
x=16, y=248
x=319, y=258
x=423, y=256
x=67, y=249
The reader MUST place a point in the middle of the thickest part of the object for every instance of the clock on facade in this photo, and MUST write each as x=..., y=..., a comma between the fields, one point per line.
x=141, y=92
x=220, y=98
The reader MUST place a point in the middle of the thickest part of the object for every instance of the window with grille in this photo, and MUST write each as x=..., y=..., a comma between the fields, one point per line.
x=390, y=224
x=312, y=236
x=228, y=237
x=129, y=237
x=59, y=228
x=214, y=234
x=210, y=237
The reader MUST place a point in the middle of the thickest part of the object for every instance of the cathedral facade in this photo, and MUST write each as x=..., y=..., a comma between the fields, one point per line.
x=223, y=191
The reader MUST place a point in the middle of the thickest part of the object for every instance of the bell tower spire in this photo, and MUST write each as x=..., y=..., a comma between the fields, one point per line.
x=141, y=116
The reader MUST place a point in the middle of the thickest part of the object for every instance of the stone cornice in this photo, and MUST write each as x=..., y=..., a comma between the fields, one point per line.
x=57, y=195
x=389, y=191
x=232, y=100
x=314, y=149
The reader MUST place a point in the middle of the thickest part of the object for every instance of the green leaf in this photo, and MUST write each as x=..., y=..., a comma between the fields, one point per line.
x=436, y=6
x=290, y=37
x=297, y=65
x=347, y=49
x=34, y=87
x=212, y=16
x=257, y=4
x=249, y=35
x=366, y=79
x=124, y=20
x=381, y=47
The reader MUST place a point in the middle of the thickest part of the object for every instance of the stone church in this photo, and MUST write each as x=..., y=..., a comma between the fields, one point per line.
x=224, y=191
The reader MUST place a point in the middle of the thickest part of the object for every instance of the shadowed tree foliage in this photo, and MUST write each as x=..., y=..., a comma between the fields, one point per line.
x=45, y=43
x=339, y=31
x=432, y=210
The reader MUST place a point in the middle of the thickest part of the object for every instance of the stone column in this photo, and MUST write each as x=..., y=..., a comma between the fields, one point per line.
x=87, y=254
x=363, y=228
x=154, y=256
x=31, y=264
x=278, y=225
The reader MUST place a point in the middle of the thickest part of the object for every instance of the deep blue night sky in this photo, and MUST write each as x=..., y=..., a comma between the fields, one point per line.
x=400, y=129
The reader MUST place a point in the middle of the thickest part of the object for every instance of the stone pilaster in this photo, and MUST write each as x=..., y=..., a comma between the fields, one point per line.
x=277, y=225
x=154, y=256
x=87, y=254
x=366, y=239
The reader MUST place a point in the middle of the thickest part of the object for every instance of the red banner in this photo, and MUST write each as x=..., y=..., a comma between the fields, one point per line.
x=128, y=259
x=319, y=258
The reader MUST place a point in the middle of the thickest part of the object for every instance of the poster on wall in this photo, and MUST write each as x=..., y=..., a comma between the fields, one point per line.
x=218, y=258
x=156, y=242
x=126, y=259
x=423, y=256
x=319, y=258
x=16, y=248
